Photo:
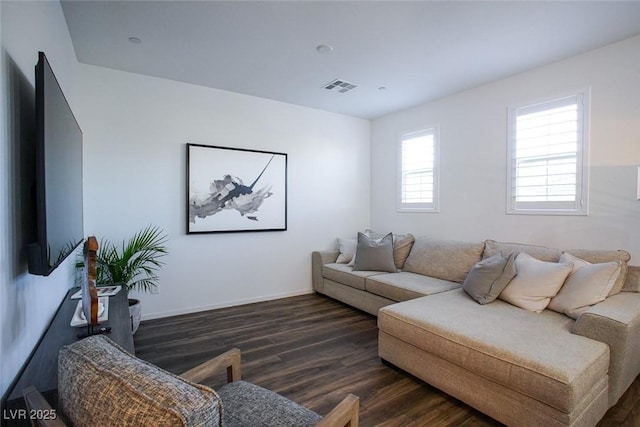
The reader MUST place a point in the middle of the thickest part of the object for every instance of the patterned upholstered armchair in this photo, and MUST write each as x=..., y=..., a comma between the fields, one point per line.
x=100, y=384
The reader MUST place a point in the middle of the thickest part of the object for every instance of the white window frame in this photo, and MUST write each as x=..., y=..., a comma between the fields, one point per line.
x=581, y=205
x=420, y=207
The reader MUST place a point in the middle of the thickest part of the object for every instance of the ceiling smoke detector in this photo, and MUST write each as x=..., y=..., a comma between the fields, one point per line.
x=339, y=85
x=324, y=48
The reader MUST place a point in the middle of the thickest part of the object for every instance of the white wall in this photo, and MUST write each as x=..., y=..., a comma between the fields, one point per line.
x=473, y=157
x=135, y=133
x=27, y=303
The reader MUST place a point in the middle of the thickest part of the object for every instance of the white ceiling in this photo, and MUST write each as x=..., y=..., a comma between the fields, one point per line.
x=419, y=51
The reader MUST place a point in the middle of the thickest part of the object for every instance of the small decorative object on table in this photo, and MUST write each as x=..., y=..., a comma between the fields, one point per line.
x=103, y=291
x=80, y=319
x=90, y=293
x=90, y=305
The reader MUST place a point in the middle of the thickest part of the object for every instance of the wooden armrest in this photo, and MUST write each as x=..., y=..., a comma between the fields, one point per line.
x=38, y=405
x=229, y=361
x=344, y=414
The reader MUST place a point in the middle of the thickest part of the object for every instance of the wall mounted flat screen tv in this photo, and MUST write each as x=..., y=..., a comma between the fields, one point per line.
x=58, y=180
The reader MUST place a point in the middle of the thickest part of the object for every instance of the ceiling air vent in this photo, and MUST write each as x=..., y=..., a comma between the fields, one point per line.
x=339, y=85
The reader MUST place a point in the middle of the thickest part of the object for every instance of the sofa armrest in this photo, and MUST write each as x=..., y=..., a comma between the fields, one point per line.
x=327, y=257
x=616, y=322
x=229, y=360
x=632, y=282
x=318, y=259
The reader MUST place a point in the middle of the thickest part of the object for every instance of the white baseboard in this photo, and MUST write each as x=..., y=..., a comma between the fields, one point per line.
x=158, y=315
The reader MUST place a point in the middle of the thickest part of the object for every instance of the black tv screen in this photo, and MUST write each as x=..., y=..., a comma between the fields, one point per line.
x=58, y=180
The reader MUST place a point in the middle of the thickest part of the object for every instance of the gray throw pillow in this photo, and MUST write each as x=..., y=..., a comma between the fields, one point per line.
x=402, y=244
x=374, y=255
x=489, y=277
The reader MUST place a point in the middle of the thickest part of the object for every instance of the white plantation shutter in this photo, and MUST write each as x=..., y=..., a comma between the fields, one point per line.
x=418, y=172
x=548, y=157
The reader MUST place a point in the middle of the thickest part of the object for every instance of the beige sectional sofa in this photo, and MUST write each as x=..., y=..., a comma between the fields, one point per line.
x=520, y=367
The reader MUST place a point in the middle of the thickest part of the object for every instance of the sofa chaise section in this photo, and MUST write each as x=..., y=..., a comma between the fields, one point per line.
x=534, y=370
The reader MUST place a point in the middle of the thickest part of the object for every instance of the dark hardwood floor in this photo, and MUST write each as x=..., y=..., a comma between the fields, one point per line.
x=315, y=351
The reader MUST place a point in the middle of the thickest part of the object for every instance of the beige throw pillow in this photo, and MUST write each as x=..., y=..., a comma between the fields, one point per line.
x=543, y=253
x=536, y=282
x=402, y=245
x=588, y=284
x=601, y=256
x=347, y=249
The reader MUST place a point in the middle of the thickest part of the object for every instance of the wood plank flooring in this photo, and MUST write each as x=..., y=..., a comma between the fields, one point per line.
x=315, y=351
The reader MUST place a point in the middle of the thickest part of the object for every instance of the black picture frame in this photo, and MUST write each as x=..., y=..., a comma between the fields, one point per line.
x=235, y=190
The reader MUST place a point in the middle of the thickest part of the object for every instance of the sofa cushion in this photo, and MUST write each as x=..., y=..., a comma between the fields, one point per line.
x=553, y=255
x=373, y=254
x=588, y=284
x=402, y=244
x=542, y=253
x=247, y=404
x=343, y=273
x=536, y=282
x=489, y=277
x=533, y=354
x=444, y=259
x=404, y=285
x=100, y=384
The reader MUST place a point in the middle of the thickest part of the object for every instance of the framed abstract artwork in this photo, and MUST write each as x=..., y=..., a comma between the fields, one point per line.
x=233, y=189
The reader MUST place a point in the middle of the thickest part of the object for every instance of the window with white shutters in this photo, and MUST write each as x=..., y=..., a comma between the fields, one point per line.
x=418, y=171
x=548, y=170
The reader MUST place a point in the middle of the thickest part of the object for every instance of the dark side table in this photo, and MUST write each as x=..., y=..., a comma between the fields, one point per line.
x=41, y=369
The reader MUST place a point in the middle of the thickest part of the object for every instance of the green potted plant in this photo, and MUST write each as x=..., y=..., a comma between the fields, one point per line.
x=134, y=265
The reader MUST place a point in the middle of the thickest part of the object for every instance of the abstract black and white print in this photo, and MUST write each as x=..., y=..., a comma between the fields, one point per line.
x=232, y=189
